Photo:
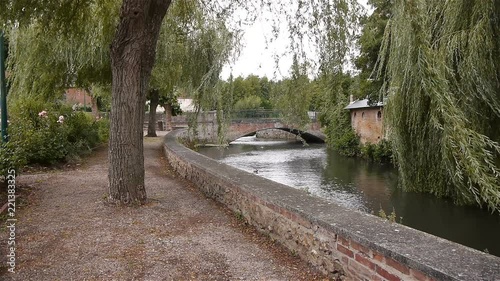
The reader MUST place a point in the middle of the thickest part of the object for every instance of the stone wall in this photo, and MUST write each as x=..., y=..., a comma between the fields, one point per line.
x=342, y=243
x=368, y=123
x=275, y=134
x=160, y=121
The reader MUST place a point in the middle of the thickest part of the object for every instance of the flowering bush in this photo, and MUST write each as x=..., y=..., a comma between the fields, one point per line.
x=48, y=133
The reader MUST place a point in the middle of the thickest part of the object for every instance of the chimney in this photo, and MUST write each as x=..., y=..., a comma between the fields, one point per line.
x=351, y=99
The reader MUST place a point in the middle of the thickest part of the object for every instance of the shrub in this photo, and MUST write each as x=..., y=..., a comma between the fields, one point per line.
x=347, y=144
x=11, y=157
x=35, y=129
x=383, y=152
x=250, y=102
x=367, y=150
x=380, y=152
x=43, y=133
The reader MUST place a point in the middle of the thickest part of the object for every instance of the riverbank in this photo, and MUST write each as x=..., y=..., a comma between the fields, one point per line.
x=338, y=240
x=360, y=185
x=66, y=232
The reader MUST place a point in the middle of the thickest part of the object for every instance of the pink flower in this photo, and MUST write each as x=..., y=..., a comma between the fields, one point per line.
x=43, y=114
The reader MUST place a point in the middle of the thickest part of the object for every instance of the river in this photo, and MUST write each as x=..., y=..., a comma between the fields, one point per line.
x=362, y=185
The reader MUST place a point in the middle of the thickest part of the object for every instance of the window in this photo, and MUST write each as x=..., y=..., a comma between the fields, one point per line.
x=363, y=115
x=379, y=115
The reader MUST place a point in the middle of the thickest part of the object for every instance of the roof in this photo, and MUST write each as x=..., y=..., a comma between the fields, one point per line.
x=362, y=104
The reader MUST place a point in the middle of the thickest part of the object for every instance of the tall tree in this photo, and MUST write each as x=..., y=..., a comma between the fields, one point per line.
x=132, y=58
x=292, y=96
x=154, y=100
x=370, y=43
x=444, y=97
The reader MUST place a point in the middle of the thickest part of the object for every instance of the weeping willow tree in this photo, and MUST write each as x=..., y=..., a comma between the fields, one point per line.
x=444, y=97
x=44, y=62
x=210, y=45
x=292, y=97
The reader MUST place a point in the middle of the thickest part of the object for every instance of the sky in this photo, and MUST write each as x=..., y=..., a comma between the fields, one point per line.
x=257, y=56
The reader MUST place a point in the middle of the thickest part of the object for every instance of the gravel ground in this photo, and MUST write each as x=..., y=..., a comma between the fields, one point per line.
x=66, y=232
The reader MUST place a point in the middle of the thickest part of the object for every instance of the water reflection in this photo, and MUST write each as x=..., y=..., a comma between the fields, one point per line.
x=361, y=185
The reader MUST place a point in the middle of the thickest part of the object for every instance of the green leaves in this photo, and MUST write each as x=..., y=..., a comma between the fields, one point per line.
x=444, y=95
x=47, y=55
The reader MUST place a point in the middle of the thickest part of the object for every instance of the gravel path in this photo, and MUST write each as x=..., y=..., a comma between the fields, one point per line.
x=66, y=232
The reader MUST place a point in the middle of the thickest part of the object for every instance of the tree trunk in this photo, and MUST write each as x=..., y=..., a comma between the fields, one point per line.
x=95, y=108
x=132, y=57
x=93, y=102
x=168, y=116
x=154, y=100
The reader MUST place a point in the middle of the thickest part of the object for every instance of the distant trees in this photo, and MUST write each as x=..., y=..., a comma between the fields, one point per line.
x=251, y=92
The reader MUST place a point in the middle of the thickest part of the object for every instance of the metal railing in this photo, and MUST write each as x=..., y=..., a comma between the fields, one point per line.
x=256, y=114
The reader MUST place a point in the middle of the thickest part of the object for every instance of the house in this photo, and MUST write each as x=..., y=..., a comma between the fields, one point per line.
x=367, y=120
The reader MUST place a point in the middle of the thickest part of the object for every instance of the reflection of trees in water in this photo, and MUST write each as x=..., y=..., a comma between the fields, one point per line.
x=373, y=182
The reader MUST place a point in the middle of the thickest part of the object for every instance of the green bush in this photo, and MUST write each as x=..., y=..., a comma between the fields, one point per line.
x=250, y=102
x=367, y=150
x=43, y=133
x=11, y=157
x=380, y=152
x=383, y=152
x=347, y=144
x=41, y=137
x=103, y=129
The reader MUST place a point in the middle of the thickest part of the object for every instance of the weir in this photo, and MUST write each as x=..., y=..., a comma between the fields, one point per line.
x=337, y=240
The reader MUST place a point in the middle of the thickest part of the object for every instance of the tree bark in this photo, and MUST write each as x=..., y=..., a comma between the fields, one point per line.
x=168, y=116
x=132, y=57
x=153, y=105
x=95, y=108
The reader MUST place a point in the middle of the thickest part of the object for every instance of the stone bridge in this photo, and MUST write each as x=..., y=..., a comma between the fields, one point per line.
x=247, y=123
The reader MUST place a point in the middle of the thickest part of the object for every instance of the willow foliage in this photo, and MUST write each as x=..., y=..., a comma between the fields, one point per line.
x=45, y=60
x=444, y=97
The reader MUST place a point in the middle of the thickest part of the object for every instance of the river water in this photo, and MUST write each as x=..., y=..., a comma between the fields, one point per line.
x=359, y=184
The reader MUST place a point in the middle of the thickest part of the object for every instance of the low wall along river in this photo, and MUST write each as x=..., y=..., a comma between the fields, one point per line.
x=340, y=242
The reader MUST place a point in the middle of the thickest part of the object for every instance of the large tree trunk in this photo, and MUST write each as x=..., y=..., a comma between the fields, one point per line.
x=168, y=116
x=154, y=100
x=132, y=58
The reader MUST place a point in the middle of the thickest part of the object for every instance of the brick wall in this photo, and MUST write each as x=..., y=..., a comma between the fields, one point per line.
x=342, y=243
x=368, y=124
x=78, y=96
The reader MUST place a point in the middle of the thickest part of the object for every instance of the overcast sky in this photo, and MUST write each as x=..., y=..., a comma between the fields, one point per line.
x=257, y=56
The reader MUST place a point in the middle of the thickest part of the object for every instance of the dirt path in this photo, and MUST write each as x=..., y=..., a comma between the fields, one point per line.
x=66, y=232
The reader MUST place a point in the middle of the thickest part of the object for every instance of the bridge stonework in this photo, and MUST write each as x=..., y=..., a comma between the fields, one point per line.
x=208, y=128
x=240, y=128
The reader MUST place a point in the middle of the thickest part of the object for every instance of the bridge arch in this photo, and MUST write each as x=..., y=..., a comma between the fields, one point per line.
x=236, y=132
x=248, y=123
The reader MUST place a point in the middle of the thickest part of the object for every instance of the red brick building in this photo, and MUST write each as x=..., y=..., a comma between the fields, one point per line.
x=78, y=96
x=367, y=120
